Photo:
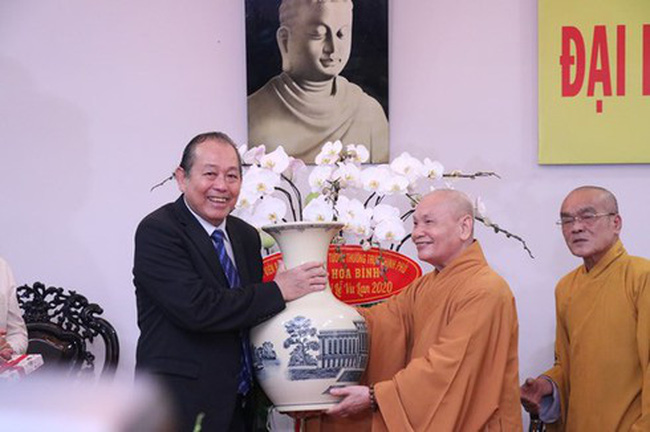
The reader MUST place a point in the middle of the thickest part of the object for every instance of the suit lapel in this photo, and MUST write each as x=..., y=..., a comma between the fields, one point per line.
x=201, y=240
x=239, y=251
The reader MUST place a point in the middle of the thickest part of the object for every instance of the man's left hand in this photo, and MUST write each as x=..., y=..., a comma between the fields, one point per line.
x=355, y=400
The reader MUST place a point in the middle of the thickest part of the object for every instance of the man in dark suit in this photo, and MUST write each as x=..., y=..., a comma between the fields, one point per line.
x=193, y=318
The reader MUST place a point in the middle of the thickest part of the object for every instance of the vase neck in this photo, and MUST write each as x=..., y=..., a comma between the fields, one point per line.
x=304, y=243
x=315, y=299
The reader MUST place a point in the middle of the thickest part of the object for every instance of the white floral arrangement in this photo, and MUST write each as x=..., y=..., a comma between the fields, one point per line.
x=366, y=199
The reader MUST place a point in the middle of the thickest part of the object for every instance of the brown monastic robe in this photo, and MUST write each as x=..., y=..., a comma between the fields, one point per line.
x=443, y=355
x=603, y=345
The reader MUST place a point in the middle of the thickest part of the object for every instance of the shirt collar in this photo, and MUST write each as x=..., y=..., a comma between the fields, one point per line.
x=207, y=226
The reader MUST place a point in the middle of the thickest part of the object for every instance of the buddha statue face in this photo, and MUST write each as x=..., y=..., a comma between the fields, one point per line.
x=315, y=38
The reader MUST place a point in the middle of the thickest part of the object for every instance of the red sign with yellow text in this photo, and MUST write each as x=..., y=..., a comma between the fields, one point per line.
x=357, y=276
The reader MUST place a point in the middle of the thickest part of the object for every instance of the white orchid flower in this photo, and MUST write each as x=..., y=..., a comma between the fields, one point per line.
x=358, y=153
x=329, y=154
x=394, y=184
x=407, y=166
x=319, y=177
x=384, y=211
x=349, y=209
x=348, y=174
x=247, y=198
x=249, y=188
x=269, y=210
x=242, y=149
x=359, y=228
x=480, y=210
x=357, y=219
x=390, y=230
x=244, y=214
x=432, y=169
x=277, y=161
x=252, y=156
x=479, y=207
x=372, y=178
x=295, y=166
x=335, y=173
x=355, y=216
x=318, y=210
x=260, y=180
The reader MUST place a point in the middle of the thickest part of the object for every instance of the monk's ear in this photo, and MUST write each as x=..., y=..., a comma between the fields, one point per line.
x=618, y=223
x=282, y=38
x=466, y=227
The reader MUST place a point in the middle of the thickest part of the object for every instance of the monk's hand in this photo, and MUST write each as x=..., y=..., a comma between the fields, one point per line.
x=532, y=392
x=301, y=280
x=5, y=349
x=355, y=400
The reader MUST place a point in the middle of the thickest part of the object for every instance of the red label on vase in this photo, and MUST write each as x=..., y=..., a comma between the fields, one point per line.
x=357, y=276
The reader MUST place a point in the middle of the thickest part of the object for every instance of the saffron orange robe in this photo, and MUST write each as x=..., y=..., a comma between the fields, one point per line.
x=443, y=354
x=603, y=345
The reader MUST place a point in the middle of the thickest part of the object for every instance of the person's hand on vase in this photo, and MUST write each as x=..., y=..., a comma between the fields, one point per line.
x=6, y=352
x=356, y=399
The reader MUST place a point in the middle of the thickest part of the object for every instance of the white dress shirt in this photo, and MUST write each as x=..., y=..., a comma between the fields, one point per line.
x=209, y=228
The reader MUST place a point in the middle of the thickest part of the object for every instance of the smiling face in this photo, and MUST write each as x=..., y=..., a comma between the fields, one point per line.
x=442, y=227
x=316, y=42
x=212, y=185
x=590, y=239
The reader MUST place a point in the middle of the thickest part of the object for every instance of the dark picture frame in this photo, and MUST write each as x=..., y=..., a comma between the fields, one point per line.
x=368, y=64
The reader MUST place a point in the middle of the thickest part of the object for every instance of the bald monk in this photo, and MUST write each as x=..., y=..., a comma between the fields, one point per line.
x=601, y=377
x=443, y=352
x=309, y=103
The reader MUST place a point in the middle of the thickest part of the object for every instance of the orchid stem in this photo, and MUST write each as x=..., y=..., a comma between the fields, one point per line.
x=474, y=176
x=288, y=195
x=399, y=246
x=297, y=193
x=365, y=204
x=497, y=229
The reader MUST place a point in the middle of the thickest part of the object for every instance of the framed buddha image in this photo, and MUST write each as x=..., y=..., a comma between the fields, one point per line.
x=317, y=71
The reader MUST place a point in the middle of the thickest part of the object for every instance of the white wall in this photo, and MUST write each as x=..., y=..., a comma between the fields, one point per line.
x=97, y=100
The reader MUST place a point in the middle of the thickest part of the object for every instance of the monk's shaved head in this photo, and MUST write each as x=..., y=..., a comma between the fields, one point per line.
x=602, y=195
x=459, y=203
x=443, y=226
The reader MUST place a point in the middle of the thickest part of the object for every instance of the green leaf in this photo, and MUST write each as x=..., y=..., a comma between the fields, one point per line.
x=267, y=241
x=310, y=197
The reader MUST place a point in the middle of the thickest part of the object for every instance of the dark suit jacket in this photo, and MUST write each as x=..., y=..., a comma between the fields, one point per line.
x=189, y=319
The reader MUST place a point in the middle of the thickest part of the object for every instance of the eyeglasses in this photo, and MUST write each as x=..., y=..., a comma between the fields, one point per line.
x=587, y=219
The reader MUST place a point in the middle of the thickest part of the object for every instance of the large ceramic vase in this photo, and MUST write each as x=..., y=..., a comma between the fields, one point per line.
x=317, y=342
